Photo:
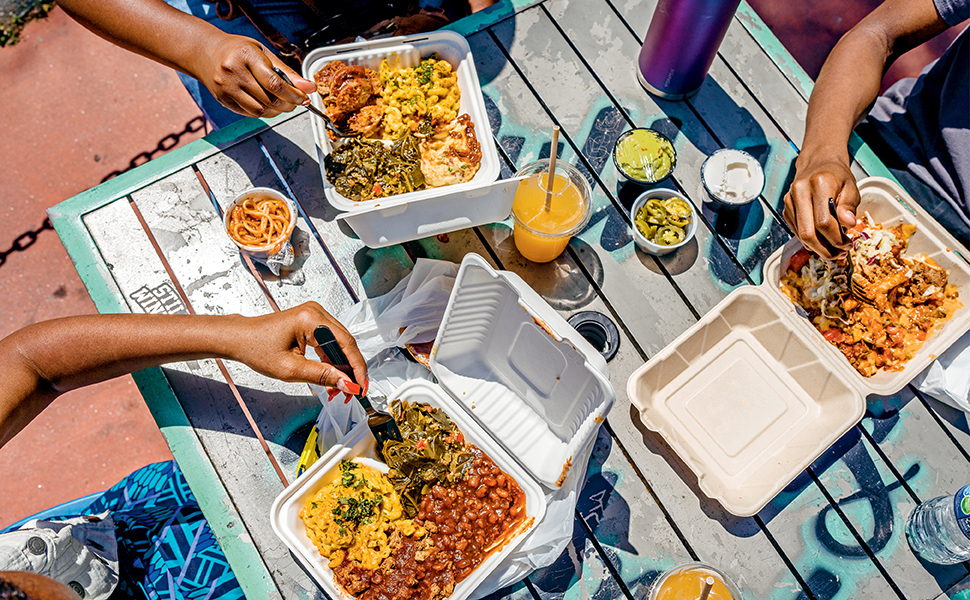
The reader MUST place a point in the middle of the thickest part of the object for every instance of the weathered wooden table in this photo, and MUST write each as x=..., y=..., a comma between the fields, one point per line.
x=835, y=532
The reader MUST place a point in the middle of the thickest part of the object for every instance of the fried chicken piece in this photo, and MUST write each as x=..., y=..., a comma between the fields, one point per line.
x=324, y=76
x=367, y=119
x=351, y=88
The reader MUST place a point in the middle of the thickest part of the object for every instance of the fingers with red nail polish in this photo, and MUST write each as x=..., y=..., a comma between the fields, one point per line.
x=348, y=387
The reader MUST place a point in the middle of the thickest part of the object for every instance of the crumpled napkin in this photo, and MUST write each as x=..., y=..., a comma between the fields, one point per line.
x=948, y=378
x=276, y=262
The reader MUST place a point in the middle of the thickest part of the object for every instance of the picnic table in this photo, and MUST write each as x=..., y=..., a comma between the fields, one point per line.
x=151, y=240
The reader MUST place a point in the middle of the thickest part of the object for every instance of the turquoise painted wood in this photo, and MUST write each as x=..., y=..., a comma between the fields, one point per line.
x=833, y=533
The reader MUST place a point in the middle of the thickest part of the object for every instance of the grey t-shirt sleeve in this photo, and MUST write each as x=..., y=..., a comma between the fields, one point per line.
x=953, y=12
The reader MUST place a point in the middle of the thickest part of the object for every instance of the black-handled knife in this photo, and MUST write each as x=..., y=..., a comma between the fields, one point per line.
x=381, y=424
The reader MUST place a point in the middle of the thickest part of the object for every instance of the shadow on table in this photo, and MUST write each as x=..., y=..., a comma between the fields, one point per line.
x=563, y=282
x=601, y=509
x=955, y=417
x=209, y=404
x=301, y=170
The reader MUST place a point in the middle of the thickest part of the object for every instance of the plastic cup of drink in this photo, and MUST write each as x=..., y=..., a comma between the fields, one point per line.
x=542, y=235
x=686, y=582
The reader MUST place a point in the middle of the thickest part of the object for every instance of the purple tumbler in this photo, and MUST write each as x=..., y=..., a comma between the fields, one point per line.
x=681, y=43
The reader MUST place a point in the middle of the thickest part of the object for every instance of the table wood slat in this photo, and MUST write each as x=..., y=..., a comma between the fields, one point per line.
x=791, y=519
x=958, y=591
x=860, y=478
x=292, y=148
x=610, y=51
x=524, y=122
x=219, y=423
x=954, y=421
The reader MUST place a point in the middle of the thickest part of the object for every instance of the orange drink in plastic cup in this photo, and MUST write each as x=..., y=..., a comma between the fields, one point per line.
x=686, y=582
x=541, y=235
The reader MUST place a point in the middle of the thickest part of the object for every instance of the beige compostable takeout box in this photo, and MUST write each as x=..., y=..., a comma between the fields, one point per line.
x=752, y=393
x=405, y=217
x=516, y=378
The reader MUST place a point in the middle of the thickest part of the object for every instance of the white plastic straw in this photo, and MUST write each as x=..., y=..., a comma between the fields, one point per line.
x=708, y=584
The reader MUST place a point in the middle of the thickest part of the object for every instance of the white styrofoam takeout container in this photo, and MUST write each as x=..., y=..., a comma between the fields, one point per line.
x=752, y=393
x=395, y=219
x=359, y=445
x=516, y=378
x=530, y=379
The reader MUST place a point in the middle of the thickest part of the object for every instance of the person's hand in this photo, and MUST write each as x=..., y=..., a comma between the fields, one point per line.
x=275, y=345
x=239, y=73
x=807, y=202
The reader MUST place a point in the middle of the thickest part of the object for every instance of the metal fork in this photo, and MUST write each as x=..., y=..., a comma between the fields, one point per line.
x=858, y=292
x=381, y=424
x=327, y=121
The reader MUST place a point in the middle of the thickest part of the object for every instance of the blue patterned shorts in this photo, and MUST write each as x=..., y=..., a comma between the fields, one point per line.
x=165, y=546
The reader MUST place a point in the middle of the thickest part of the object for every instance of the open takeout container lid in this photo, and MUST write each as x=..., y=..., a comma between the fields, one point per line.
x=519, y=381
x=752, y=393
x=359, y=445
x=433, y=211
x=525, y=375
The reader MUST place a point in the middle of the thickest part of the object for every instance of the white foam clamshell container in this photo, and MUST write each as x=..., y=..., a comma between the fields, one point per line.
x=433, y=211
x=752, y=393
x=519, y=381
x=359, y=445
x=520, y=369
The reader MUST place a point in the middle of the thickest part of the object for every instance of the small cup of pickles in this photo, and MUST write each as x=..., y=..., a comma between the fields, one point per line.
x=644, y=155
x=663, y=220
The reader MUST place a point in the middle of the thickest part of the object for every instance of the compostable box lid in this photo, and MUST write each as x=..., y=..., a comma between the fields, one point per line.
x=752, y=393
x=404, y=217
x=530, y=379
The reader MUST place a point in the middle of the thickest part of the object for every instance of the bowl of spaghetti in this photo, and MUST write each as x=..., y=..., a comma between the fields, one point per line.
x=260, y=221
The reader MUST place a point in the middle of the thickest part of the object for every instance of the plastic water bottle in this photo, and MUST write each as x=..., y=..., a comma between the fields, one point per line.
x=939, y=529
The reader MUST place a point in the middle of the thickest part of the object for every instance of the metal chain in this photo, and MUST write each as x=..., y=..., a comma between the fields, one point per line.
x=25, y=240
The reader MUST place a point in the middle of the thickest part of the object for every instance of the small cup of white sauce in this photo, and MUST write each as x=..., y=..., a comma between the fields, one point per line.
x=732, y=177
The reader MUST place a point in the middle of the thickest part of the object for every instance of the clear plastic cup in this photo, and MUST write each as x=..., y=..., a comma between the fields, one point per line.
x=541, y=235
x=686, y=582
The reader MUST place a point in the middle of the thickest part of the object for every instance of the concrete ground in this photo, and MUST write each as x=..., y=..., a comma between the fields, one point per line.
x=76, y=110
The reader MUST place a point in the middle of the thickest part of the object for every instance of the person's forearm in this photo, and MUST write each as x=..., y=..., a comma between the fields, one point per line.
x=850, y=79
x=151, y=28
x=846, y=88
x=46, y=359
x=78, y=351
x=43, y=360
